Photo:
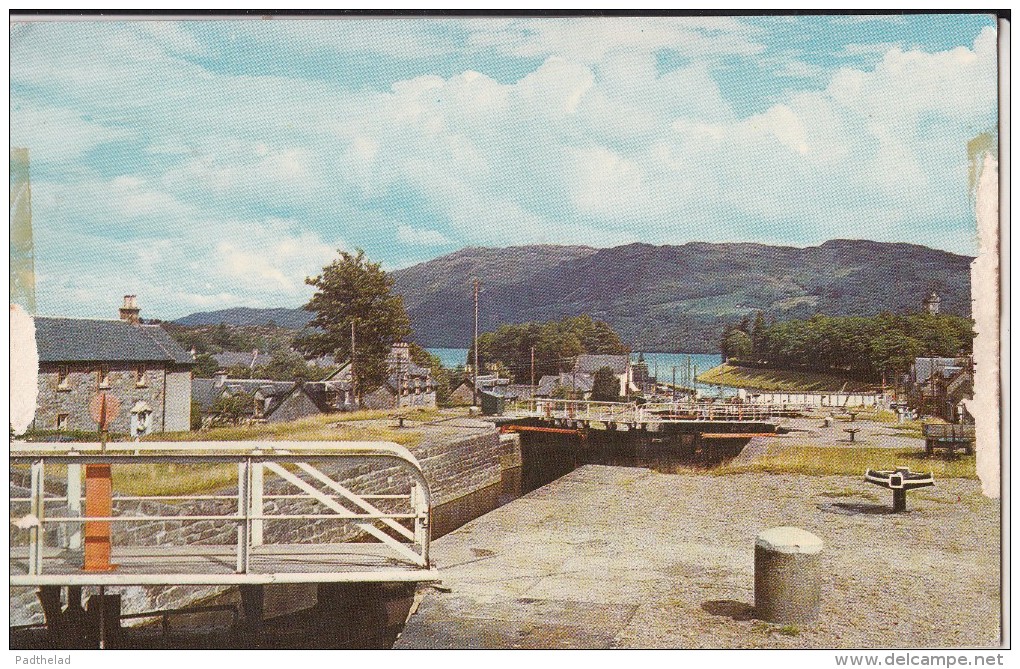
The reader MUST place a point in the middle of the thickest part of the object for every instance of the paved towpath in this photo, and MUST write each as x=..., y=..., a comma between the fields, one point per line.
x=625, y=557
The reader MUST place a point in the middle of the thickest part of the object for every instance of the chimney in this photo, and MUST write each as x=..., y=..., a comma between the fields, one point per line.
x=221, y=377
x=129, y=311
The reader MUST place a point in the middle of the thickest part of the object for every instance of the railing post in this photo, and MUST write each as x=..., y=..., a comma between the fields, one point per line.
x=74, y=505
x=257, y=506
x=420, y=519
x=243, y=514
x=37, y=508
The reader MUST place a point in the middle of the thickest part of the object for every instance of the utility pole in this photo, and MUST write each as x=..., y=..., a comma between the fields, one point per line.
x=626, y=378
x=674, y=383
x=354, y=387
x=400, y=384
x=532, y=366
x=475, y=384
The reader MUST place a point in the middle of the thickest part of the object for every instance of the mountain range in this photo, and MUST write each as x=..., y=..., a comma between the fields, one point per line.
x=658, y=298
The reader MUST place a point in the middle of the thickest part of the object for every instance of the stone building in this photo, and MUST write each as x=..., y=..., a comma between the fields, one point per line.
x=271, y=401
x=140, y=365
x=406, y=384
x=282, y=401
x=589, y=363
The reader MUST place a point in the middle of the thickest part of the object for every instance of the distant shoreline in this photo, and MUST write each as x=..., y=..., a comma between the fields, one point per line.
x=780, y=380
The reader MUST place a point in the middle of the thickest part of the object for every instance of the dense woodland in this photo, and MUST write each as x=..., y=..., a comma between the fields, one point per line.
x=865, y=348
x=556, y=343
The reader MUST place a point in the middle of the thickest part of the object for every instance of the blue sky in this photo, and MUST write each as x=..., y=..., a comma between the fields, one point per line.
x=211, y=164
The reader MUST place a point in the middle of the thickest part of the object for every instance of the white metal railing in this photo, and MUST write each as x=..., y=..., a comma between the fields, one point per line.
x=630, y=412
x=400, y=529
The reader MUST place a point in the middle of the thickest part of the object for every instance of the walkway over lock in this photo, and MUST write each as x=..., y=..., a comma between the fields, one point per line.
x=649, y=415
x=379, y=537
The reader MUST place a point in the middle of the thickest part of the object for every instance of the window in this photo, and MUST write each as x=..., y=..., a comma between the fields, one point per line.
x=140, y=380
x=63, y=377
x=104, y=376
x=62, y=421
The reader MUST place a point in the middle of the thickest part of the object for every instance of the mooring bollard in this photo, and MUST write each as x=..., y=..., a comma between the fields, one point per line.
x=787, y=575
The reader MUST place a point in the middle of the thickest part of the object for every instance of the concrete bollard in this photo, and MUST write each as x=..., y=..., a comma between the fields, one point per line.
x=787, y=575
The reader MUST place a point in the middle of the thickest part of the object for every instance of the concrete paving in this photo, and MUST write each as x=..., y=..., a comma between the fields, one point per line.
x=620, y=557
x=812, y=432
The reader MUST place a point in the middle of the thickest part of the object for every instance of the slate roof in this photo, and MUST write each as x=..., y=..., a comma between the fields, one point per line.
x=235, y=358
x=87, y=340
x=511, y=392
x=205, y=392
x=591, y=363
x=579, y=381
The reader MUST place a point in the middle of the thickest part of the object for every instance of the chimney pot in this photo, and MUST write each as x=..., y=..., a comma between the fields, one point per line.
x=129, y=311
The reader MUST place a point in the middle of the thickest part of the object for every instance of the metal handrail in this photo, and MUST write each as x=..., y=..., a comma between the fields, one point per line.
x=280, y=458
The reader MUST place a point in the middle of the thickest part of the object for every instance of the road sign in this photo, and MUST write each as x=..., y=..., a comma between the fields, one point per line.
x=104, y=409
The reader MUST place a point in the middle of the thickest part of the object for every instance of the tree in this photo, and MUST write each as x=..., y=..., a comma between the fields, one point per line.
x=205, y=366
x=196, y=415
x=287, y=366
x=605, y=386
x=556, y=344
x=352, y=290
x=234, y=407
x=758, y=334
x=738, y=345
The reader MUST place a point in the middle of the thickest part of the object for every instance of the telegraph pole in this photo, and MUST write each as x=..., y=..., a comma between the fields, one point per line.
x=626, y=378
x=475, y=384
x=532, y=366
x=354, y=393
x=674, y=383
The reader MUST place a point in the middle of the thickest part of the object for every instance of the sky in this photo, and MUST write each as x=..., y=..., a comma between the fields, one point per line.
x=211, y=164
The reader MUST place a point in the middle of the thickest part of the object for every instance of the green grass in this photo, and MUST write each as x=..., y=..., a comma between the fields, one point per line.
x=820, y=461
x=185, y=479
x=325, y=427
x=780, y=380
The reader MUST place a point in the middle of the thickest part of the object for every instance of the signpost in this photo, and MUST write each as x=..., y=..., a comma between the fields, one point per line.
x=99, y=491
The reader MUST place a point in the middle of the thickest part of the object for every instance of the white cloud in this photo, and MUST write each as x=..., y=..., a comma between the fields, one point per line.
x=420, y=237
x=798, y=69
x=249, y=183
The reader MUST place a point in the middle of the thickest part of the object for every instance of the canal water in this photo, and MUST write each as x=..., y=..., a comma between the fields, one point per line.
x=348, y=616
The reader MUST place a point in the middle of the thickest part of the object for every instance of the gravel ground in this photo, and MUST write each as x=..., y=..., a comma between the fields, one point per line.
x=630, y=558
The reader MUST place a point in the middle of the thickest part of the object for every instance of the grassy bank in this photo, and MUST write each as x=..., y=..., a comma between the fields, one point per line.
x=780, y=380
x=185, y=479
x=819, y=461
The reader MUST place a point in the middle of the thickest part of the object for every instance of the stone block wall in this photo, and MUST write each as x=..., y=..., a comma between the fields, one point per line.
x=82, y=386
